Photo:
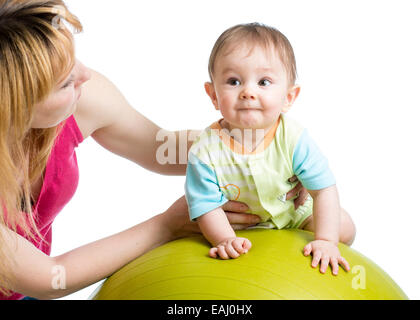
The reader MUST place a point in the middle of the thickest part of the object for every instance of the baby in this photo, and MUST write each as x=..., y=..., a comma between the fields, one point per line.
x=251, y=154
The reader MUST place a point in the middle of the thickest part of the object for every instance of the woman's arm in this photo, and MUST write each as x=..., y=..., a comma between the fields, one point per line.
x=37, y=275
x=105, y=114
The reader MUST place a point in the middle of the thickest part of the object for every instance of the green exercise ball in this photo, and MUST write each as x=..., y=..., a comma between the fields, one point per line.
x=274, y=269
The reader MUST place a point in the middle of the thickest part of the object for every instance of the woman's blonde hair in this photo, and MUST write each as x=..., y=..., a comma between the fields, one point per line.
x=260, y=35
x=36, y=53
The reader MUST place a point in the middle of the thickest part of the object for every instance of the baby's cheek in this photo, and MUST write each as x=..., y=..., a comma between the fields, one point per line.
x=272, y=108
x=227, y=105
x=225, y=100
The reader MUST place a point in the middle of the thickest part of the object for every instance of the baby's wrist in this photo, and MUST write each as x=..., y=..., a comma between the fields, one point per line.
x=330, y=240
x=225, y=240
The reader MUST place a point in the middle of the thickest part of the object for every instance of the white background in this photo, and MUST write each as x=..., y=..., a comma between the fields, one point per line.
x=358, y=64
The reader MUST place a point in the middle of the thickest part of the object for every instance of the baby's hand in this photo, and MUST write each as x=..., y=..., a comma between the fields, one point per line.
x=326, y=252
x=230, y=248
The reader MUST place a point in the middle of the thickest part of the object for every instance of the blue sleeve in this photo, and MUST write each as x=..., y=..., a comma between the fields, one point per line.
x=202, y=191
x=310, y=166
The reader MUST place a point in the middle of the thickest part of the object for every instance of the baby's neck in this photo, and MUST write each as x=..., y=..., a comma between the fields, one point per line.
x=249, y=138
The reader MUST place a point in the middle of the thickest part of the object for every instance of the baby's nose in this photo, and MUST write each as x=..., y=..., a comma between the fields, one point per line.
x=247, y=94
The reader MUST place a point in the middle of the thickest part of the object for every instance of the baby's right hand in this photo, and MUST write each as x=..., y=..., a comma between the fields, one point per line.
x=230, y=248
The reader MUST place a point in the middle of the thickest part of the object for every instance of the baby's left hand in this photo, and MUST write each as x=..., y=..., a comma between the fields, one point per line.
x=231, y=248
x=327, y=253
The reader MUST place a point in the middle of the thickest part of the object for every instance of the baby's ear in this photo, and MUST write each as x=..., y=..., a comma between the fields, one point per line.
x=212, y=94
x=291, y=97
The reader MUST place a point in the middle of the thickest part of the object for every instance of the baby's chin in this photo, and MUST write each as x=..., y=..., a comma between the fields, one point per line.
x=252, y=124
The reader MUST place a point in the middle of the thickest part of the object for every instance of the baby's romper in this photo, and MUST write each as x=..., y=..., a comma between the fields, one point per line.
x=220, y=169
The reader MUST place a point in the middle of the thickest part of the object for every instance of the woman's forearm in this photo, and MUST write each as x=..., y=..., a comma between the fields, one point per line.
x=34, y=274
x=93, y=262
x=172, y=151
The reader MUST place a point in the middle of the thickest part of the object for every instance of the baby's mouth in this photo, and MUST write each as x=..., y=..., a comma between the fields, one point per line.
x=249, y=109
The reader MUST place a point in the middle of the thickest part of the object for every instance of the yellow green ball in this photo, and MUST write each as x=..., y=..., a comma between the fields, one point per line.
x=274, y=269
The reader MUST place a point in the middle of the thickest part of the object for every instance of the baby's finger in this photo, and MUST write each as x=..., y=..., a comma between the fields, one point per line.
x=325, y=261
x=334, y=266
x=237, y=244
x=307, y=250
x=316, y=258
x=231, y=252
x=344, y=263
x=221, y=252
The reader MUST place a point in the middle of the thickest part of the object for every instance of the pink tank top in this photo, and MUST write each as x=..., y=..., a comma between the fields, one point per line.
x=61, y=178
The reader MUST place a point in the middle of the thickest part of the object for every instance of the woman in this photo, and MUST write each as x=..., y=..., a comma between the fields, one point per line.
x=43, y=117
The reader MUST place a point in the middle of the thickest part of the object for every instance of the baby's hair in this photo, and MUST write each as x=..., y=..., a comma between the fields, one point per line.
x=260, y=35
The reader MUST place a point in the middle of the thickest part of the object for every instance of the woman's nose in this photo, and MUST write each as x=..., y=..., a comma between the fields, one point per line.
x=84, y=74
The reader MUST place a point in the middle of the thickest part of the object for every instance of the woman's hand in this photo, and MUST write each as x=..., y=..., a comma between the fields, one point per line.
x=179, y=224
x=238, y=219
x=299, y=191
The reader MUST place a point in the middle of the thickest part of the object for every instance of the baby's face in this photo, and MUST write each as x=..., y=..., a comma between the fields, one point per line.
x=250, y=87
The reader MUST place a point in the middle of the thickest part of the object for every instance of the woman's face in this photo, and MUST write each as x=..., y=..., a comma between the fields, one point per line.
x=61, y=103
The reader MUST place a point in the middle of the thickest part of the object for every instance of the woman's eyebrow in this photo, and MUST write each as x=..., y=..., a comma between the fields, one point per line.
x=67, y=80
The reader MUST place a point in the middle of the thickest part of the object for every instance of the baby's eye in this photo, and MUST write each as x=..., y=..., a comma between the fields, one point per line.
x=234, y=82
x=264, y=83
